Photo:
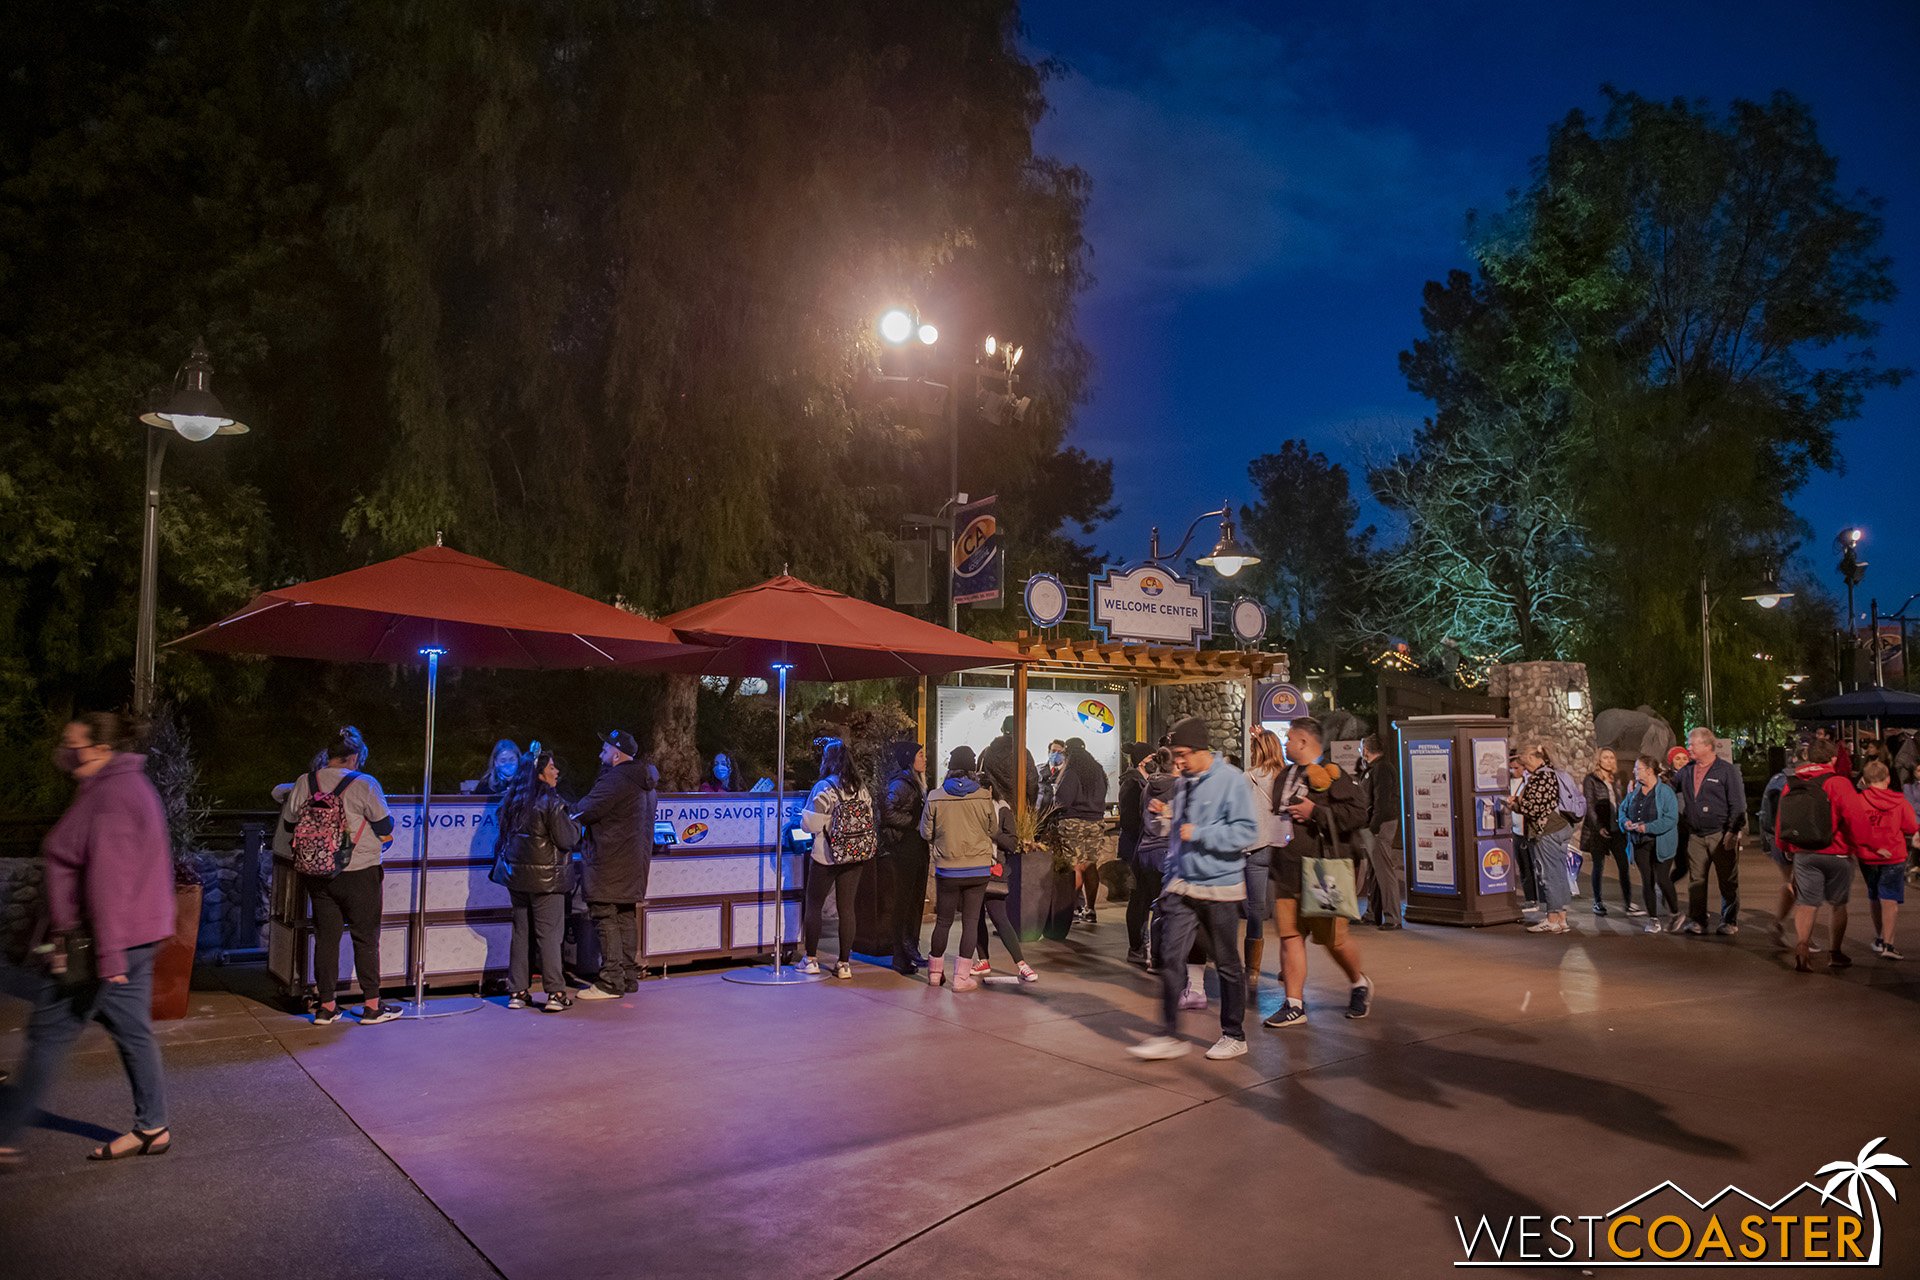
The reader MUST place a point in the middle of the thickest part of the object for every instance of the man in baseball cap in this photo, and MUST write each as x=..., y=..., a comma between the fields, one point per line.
x=618, y=815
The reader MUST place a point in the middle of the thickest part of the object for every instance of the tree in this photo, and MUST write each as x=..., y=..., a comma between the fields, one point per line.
x=585, y=286
x=1495, y=559
x=1312, y=558
x=1664, y=330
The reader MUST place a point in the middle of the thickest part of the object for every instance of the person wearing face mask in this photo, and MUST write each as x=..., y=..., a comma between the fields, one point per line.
x=618, y=816
x=502, y=764
x=533, y=857
x=349, y=900
x=721, y=774
x=109, y=869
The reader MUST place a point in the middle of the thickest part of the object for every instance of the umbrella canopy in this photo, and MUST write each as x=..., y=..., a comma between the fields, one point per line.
x=481, y=614
x=1890, y=706
x=824, y=634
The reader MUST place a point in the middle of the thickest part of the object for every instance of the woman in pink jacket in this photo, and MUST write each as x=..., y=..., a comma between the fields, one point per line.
x=109, y=878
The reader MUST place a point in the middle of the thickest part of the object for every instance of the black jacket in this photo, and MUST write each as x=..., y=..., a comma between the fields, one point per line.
x=537, y=855
x=1381, y=787
x=1721, y=804
x=997, y=763
x=1339, y=806
x=1131, y=784
x=1081, y=791
x=618, y=814
x=1603, y=819
x=901, y=805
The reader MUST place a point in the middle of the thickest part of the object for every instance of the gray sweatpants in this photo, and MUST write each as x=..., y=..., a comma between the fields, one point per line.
x=1389, y=872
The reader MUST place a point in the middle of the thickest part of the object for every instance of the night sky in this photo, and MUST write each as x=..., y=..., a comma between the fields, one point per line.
x=1274, y=183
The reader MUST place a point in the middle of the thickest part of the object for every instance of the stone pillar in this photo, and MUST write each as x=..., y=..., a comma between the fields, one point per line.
x=1222, y=704
x=1538, y=703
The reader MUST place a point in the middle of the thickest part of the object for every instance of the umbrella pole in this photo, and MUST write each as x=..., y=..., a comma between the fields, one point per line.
x=779, y=973
x=417, y=927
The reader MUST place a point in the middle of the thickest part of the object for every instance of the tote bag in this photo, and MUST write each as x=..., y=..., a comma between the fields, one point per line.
x=1327, y=884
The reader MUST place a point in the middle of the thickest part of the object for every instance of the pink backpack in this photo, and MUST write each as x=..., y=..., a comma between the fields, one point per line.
x=321, y=843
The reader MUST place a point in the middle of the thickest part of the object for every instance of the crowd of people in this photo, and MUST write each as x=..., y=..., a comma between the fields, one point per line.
x=1682, y=819
x=1294, y=848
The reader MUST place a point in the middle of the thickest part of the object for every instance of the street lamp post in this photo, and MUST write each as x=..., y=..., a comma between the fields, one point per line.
x=899, y=328
x=1229, y=555
x=194, y=413
x=1852, y=569
x=1769, y=596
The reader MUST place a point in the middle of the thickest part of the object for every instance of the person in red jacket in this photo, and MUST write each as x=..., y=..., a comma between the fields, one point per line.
x=1823, y=874
x=1881, y=846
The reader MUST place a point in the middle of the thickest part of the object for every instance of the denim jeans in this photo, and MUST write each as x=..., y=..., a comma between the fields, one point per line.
x=1182, y=922
x=1553, y=869
x=59, y=1016
x=1259, y=903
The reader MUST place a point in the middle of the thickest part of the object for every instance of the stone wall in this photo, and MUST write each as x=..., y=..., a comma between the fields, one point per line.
x=22, y=885
x=1222, y=704
x=227, y=921
x=1538, y=704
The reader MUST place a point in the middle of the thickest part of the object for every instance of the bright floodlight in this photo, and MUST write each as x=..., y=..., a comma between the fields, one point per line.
x=896, y=326
x=1854, y=536
x=992, y=345
x=1767, y=601
x=929, y=335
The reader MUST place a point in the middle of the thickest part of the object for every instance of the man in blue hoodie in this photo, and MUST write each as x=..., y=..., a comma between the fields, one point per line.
x=1212, y=827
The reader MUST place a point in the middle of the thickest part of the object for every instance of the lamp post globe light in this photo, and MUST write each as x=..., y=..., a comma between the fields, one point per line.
x=1229, y=555
x=1769, y=595
x=191, y=411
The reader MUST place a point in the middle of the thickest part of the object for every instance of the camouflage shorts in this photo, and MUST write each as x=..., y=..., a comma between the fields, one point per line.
x=1078, y=841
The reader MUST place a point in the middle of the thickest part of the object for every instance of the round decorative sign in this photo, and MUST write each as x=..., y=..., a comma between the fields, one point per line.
x=1249, y=620
x=1046, y=600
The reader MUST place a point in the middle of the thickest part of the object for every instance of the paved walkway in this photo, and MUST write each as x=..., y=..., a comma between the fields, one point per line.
x=881, y=1128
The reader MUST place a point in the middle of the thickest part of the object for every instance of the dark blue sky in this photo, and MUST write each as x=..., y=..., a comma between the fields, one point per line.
x=1273, y=183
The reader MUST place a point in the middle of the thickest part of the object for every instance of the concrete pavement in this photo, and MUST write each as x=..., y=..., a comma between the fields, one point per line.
x=880, y=1127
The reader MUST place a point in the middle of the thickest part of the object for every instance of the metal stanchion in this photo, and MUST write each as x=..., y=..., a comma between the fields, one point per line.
x=779, y=973
x=417, y=931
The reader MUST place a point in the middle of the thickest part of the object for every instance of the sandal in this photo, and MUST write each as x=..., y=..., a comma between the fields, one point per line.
x=146, y=1147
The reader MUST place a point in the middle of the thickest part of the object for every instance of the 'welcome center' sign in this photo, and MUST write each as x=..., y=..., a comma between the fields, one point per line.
x=1150, y=604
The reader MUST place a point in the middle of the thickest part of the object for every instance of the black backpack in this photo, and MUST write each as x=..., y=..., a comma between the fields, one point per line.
x=1805, y=813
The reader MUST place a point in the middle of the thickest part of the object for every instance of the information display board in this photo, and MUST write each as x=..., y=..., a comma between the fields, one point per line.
x=1430, y=785
x=972, y=717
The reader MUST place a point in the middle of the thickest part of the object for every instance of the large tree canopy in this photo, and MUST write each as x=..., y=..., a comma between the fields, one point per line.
x=588, y=287
x=1663, y=333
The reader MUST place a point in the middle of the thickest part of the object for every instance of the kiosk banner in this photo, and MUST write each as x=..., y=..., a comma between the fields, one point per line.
x=977, y=561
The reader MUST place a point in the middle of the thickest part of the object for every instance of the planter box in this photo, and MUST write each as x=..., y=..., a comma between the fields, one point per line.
x=173, y=966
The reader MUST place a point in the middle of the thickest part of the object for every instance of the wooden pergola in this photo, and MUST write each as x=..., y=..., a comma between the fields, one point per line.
x=1142, y=665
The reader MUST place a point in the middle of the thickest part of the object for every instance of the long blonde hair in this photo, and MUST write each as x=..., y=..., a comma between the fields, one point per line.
x=1268, y=754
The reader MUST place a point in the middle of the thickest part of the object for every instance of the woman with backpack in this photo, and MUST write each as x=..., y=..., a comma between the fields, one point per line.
x=961, y=822
x=338, y=826
x=1549, y=829
x=533, y=858
x=1650, y=820
x=839, y=813
x=109, y=874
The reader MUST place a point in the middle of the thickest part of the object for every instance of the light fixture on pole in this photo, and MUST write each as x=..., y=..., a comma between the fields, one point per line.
x=1852, y=569
x=1768, y=596
x=1229, y=555
x=193, y=412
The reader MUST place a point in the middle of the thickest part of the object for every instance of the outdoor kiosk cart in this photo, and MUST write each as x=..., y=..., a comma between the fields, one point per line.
x=710, y=894
x=1456, y=819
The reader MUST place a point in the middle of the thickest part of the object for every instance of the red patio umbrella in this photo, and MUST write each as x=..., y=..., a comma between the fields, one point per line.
x=789, y=627
x=433, y=603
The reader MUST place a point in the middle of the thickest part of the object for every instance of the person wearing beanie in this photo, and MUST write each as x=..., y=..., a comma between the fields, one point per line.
x=904, y=851
x=999, y=764
x=959, y=825
x=1212, y=825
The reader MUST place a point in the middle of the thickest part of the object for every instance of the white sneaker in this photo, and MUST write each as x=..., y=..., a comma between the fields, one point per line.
x=1542, y=926
x=597, y=992
x=1160, y=1048
x=1654, y=926
x=1227, y=1047
x=809, y=965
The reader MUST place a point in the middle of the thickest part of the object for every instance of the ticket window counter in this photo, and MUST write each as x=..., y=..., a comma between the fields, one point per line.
x=1456, y=816
x=710, y=893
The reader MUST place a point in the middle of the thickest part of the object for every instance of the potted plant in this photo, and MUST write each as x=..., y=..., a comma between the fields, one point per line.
x=171, y=768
